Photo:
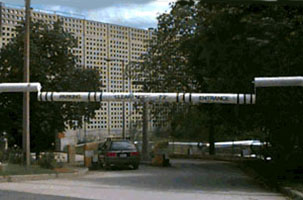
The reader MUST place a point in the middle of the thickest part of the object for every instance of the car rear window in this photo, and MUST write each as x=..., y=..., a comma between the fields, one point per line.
x=122, y=146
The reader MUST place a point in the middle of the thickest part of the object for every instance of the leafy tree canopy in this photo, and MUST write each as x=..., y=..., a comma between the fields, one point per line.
x=52, y=64
x=220, y=47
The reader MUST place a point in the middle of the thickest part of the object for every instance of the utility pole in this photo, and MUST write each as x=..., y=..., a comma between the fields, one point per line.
x=26, y=96
x=84, y=121
x=123, y=103
x=108, y=103
x=130, y=107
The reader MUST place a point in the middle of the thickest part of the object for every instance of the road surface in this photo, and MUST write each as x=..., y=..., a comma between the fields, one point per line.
x=185, y=180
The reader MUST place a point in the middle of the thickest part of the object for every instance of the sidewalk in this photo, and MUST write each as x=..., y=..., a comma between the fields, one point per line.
x=16, y=178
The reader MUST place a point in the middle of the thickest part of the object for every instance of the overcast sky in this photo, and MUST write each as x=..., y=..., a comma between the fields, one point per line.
x=134, y=13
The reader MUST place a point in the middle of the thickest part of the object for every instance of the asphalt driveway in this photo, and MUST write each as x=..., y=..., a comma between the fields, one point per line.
x=185, y=180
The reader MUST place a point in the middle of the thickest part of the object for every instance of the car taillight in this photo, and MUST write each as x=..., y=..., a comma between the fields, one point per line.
x=110, y=154
x=134, y=153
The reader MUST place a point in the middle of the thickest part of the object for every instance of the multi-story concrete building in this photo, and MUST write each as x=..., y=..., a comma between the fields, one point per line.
x=104, y=47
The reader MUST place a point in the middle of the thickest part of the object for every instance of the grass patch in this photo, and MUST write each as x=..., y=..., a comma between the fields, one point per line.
x=294, y=185
x=14, y=169
x=274, y=175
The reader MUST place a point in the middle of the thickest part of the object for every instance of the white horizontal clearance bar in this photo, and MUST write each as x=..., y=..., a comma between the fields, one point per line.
x=148, y=97
x=278, y=81
x=20, y=87
x=223, y=144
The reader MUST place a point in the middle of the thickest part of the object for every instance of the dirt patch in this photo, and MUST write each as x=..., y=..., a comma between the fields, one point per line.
x=64, y=170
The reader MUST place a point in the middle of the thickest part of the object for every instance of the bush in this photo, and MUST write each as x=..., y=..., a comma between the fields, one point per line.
x=1, y=156
x=15, y=156
x=48, y=161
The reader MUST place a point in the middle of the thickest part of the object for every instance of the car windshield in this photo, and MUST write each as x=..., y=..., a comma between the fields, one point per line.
x=122, y=145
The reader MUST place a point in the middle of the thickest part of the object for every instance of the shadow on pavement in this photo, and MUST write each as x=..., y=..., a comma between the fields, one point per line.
x=10, y=195
x=183, y=176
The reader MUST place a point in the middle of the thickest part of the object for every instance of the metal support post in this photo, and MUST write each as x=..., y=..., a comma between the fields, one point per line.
x=130, y=106
x=145, y=155
x=26, y=96
x=108, y=103
x=123, y=103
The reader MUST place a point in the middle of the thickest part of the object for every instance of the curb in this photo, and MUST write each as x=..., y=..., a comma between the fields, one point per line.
x=31, y=177
x=294, y=194
x=287, y=191
x=145, y=163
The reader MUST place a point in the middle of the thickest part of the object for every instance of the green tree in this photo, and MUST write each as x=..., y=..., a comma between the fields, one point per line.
x=239, y=42
x=52, y=64
x=164, y=66
x=219, y=47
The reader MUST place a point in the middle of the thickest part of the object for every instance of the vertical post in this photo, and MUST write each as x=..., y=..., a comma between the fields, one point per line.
x=130, y=107
x=71, y=154
x=123, y=103
x=211, y=137
x=232, y=149
x=144, y=135
x=84, y=129
x=173, y=151
x=108, y=103
x=26, y=97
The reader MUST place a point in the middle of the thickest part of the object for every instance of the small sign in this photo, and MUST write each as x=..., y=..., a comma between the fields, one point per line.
x=95, y=158
x=89, y=153
x=123, y=155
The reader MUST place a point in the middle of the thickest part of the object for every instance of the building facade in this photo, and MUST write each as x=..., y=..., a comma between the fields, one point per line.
x=104, y=47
